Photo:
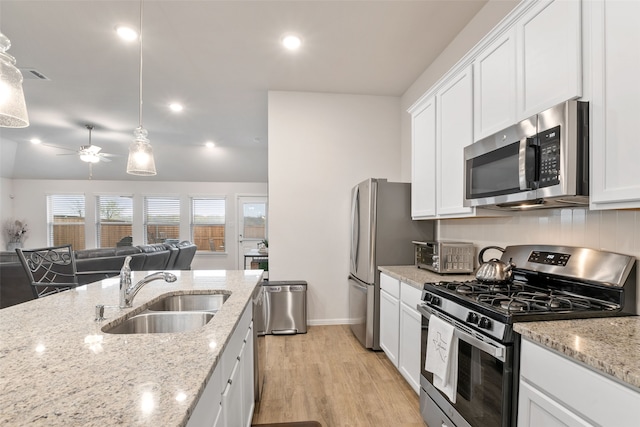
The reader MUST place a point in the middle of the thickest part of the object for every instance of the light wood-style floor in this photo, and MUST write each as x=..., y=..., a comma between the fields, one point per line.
x=325, y=375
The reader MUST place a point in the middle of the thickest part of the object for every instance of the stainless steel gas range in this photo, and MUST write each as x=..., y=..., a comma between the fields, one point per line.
x=549, y=283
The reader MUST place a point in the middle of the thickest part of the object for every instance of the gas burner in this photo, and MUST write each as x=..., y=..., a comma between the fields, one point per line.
x=474, y=289
x=514, y=305
x=464, y=289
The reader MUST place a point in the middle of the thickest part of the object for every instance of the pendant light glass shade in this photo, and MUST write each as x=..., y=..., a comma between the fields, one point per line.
x=141, y=160
x=13, y=110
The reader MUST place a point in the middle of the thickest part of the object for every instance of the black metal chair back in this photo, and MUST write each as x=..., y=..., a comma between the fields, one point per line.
x=50, y=270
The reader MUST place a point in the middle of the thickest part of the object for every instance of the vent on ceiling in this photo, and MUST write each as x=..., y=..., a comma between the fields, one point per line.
x=33, y=74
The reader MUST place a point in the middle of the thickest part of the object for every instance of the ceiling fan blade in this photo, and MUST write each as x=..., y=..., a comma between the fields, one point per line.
x=104, y=159
x=109, y=155
x=59, y=147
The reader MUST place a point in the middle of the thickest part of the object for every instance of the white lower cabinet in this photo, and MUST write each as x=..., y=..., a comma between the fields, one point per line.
x=208, y=411
x=246, y=360
x=556, y=391
x=228, y=398
x=400, y=327
x=410, y=335
x=389, y=317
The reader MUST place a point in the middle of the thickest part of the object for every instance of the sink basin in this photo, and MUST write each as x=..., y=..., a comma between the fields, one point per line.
x=196, y=302
x=157, y=323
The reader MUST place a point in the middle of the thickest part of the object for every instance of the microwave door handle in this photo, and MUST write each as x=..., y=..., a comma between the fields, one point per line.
x=527, y=161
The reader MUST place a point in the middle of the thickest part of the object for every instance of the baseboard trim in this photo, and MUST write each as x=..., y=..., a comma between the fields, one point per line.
x=328, y=322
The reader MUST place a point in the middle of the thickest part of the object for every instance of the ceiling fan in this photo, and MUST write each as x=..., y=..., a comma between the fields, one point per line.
x=90, y=153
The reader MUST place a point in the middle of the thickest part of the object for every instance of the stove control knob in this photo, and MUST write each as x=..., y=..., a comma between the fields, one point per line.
x=472, y=317
x=484, y=323
x=434, y=300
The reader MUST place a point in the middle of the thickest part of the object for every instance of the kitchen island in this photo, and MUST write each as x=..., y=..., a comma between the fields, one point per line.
x=60, y=369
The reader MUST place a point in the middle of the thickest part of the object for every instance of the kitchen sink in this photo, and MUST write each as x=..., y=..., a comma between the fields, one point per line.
x=165, y=322
x=190, y=302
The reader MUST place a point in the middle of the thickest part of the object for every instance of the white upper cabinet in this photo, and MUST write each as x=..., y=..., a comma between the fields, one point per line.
x=549, y=66
x=442, y=125
x=454, y=131
x=494, y=90
x=423, y=160
x=614, y=68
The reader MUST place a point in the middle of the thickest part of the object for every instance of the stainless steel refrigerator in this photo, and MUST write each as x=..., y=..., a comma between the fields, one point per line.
x=381, y=234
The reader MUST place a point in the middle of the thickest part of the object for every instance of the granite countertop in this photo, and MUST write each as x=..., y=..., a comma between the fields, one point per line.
x=610, y=345
x=417, y=277
x=60, y=369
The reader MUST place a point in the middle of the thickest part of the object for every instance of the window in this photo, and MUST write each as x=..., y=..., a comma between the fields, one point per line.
x=161, y=219
x=115, y=219
x=65, y=220
x=254, y=220
x=208, y=223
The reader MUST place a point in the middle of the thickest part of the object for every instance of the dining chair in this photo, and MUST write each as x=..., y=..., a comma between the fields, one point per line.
x=50, y=270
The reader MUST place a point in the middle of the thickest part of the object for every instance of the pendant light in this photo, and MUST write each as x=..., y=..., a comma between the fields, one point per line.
x=13, y=110
x=141, y=160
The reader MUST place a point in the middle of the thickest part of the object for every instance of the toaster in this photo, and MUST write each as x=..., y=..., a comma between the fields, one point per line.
x=445, y=257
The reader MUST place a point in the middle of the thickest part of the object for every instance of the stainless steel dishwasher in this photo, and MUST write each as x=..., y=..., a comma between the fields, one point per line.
x=285, y=307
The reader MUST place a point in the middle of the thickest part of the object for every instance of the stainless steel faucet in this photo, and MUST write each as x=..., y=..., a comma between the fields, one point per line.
x=128, y=291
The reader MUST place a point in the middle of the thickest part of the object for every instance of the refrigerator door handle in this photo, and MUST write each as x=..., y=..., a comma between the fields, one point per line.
x=355, y=230
x=359, y=286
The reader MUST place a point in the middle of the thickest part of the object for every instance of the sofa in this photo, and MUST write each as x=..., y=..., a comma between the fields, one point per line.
x=97, y=264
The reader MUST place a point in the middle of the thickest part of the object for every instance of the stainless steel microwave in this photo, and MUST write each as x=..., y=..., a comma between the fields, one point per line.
x=540, y=162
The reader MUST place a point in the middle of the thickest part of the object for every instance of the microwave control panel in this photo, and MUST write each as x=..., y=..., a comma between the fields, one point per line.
x=549, y=143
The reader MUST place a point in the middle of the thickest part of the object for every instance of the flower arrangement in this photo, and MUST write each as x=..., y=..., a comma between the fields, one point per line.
x=16, y=230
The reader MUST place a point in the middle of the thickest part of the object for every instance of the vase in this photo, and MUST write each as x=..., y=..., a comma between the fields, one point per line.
x=11, y=246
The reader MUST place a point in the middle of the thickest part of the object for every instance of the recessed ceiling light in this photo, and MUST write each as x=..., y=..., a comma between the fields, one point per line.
x=175, y=107
x=291, y=42
x=35, y=141
x=127, y=33
x=209, y=144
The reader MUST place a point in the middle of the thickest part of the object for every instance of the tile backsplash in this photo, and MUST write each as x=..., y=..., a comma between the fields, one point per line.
x=614, y=231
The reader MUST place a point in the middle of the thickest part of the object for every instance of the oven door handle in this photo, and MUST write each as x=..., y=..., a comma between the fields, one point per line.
x=497, y=351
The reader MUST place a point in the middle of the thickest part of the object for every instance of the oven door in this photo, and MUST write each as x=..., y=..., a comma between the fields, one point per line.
x=485, y=392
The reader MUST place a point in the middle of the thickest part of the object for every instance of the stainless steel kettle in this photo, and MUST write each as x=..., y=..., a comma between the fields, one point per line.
x=494, y=270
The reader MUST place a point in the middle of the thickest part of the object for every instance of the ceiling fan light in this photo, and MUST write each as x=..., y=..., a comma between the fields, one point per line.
x=89, y=157
x=13, y=110
x=141, y=161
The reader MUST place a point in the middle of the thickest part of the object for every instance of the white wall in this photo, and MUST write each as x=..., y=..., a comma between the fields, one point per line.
x=320, y=145
x=6, y=205
x=29, y=203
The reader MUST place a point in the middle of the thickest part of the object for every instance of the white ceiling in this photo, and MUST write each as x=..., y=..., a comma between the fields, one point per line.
x=218, y=58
